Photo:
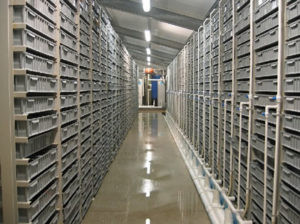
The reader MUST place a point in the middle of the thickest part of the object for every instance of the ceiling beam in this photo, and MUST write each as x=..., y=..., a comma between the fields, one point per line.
x=156, y=13
x=122, y=31
x=153, y=52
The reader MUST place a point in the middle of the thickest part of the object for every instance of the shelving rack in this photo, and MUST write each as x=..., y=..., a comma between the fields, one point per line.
x=71, y=98
x=244, y=157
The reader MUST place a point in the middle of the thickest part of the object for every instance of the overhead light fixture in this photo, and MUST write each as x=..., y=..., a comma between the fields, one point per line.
x=146, y=5
x=148, y=50
x=148, y=59
x=149, y=63
x=147, y=35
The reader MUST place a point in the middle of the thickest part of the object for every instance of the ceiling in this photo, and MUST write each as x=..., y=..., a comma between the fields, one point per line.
x=171, y=23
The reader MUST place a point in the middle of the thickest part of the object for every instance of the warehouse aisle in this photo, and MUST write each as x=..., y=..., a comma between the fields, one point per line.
x=148, y=182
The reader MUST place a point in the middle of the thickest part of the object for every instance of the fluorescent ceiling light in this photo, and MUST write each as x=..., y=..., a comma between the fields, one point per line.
x=147, y=35
x=146, y=5
x=148, y=59
x=148, y=50
x=149, y=63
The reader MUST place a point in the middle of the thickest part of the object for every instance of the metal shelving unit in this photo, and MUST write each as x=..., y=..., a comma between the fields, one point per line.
x=72, y=98
x=247, y=132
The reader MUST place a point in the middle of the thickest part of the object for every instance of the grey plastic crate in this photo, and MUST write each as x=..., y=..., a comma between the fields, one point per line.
x=84, y=73
x=84, y=110
x=46, y=214
x=264, y=7
x=67, y=10
x=85, y=86
x=292, y=66
x=43, y=6
x=291, y=141
x=266, y=70
x=291, y=157
x=96, y=115
x=290, y=177
x=293, y=29
x=225, y=56
x=259, y=128
x=290, y=195
x=227, y=66
x=84, y=62
x=68, y=55
x=96, y=56
x=293, y=10
x=242, y=85
x=228, y=46
x=54, y=219
x=85, y=98
x=68, y=24
x=68, y=100
x=96, y=106
x=35, y=84
x=70, y=174
x=34, y=144
x=97, y=86
x=227, y=86
x=85, y=157
x=27, y=38
x=84, y=50
x=85, y=122
x=243, y=73
x=67, y=70
x=84, y=38
x=68, y=131
x=292, y=85
x=243, y=49
x=25, y=194
x=266, y=39
x=292, y=103
x=262, y=100
x=69, y=145
x=291, y=122
x=72, y=188
x=243, y=62
x=289, y=213
x=84, y=10
x=266, y=24
x=243, y=37
x=242, y=97
x=68, y=86
x=68, y=40
x=69, y=159
x=266, y=85
x=27, y=215
x=37, y=165
x=85, y=134
x=292, y=47
x=258, y=172
x=69, y=115
x=34, y=126
x=74, y=217
x=70, y=205
x=226, y=36
x=270, y=54
x=31, y=105
x=243, y=18
x=86, y=146
x=28, y=61
x=259, y=113
x=23, y=14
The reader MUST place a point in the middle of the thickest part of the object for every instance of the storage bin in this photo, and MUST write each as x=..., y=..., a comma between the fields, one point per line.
x=225, y=57
x=291, y=141
x=54, y=218
x=266, y=24
x=84, y=62
x=227, y=66
x=292, y=66
x=69, y=115
x=263, y=8
x=243, y=62
x=27, y=193
x=31, y=105
x=84, y=38
x=266, y=85
x=289, y=213
x=29, y=39
x=70, y=190
x=68, y=100
x=68, y=86
x=242, y=85
x=266, y=39
x=85, y=134
x=69, y=159
x=291, y=157
x=85, y=86
x=266, y=70
x=34, y=126
x=270, y=54
x=290, y=177
x=67, y=70
x=292, y=47
x=84, y=50
x=84, y=98
x=243, y=19
x=67, y=210
x=290, y=195
x=86, y=145
x=28, y=61
x=243, y=73
x=85, y=157
x=25, y=15
x=292, y=104
x=259, y=128
x=68, y=40
x=292, y=85
x=85, y=110
x=242, y=38
x=69, y=131
x=69, y=55
x=263, y=100
x=84, y=73
x=293, y=29
x=44, y=7
x=46, y=214
x=85, y=122
x=67, y=10
x=291, y=122
x=69, y=145
x=243, y=49
x=293, y=10
x=34, y=84
x=84, y=10
x=27, y=215
x=68, y=25
x=69, y=174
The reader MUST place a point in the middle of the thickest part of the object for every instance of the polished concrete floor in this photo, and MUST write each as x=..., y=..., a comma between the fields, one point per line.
x=148, y=182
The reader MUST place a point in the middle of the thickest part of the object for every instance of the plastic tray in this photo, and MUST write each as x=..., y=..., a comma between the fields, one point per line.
x=291, y=122
x=84, y=62
x=85, y=98
x=84, y=50
x=69, y=145
x=293, y=29
x=85, y=134
x=290, y=195
x=266, y=39
x=85, y=122
x=67, y=70
x=243, y=19
x=290, y=177
x=289, y=213
x=34, y=63
x=31, y=105
x=84, y=26
x=263, y=8
x=69, y=115
x=293, y=10
x=68, y=54
x=29, y=39
x=34, y=84
x=266, y=70
x=85, y=110
x=46, y=214
x=292, y=104
x=70, y=190
x=68, y=86
x=68, y=40
x=292, y=66
x=266, y=24
x=242, y=38
x=68, y=25
x=270, y=54
x=242, y=85
x=291, y=157
x=266, y=85
x=68, y=100
x=67, y=10
x=68, y=131
x=69, y=174
x=85, y=86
